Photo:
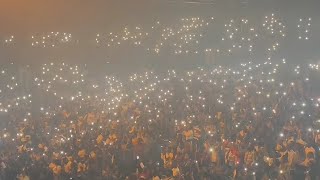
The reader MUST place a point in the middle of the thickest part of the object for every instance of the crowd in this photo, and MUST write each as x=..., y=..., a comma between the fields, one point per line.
x=254, y=121
x=186, y=36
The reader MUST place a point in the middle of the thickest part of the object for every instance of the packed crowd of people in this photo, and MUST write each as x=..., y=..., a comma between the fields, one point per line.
x=254, y=121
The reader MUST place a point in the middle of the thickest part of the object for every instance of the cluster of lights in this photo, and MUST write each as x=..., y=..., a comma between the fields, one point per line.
x=113, y=93
x=274, y=26
x=239, y=35
x=274, y=30
x=143, y=84
x=184, y=37
x=52, y=39
x=304, y=28
x=61, y=82
x=9, y=40
x=314, y=66
x=135, y=37
x=12, y=93
x=55, y=78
